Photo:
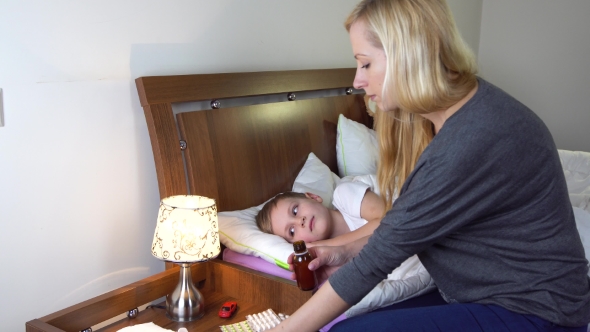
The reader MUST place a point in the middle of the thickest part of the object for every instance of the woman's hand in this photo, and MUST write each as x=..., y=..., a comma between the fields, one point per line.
x=315, y=313
x=326, y=261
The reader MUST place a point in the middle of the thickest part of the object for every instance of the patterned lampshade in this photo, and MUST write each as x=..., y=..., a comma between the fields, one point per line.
x=187, y=229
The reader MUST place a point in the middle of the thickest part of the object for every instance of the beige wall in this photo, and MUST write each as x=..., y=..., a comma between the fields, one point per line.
x=467, y=14
x=539, y=51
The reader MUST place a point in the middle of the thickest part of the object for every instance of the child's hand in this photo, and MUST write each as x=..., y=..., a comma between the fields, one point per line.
x=314, y=244
x=327, y=242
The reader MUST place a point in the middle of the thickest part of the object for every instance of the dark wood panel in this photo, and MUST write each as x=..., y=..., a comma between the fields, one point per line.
x=244, y=284
x=166, y=149
x=242, y=156
x=182, y=88
x=37, y=325
x=201, y=166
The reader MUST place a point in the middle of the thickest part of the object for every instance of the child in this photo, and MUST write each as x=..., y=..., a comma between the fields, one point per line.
x=297, y=216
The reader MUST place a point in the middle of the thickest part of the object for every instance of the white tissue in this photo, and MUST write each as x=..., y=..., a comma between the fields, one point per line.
x=146, y=327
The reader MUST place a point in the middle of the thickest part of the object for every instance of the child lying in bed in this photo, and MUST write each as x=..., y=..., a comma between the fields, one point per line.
x=296, y=216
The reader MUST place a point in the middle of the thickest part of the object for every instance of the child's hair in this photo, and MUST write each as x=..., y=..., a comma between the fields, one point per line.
x=263, y=217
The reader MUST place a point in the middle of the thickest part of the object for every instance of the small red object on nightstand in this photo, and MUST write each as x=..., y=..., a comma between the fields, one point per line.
x=228, y=309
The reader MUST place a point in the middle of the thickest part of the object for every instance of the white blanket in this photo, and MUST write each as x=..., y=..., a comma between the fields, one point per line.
x=576, y=167
x=407, y=281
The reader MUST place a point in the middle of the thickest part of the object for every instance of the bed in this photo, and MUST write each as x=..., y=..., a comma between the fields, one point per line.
x=241, y=138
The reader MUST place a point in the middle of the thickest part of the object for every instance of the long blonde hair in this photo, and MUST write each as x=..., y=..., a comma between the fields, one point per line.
x=429, y=68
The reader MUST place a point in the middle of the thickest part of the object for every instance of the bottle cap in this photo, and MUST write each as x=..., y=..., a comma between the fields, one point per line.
x=299, y=246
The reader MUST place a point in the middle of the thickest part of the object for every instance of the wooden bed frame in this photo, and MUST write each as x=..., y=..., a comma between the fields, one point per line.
x=240, y=156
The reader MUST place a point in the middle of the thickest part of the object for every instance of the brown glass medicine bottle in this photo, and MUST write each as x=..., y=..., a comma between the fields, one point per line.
x=306, y=279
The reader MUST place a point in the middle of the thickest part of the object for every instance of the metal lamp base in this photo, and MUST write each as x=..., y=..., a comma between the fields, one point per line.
x=185, y=303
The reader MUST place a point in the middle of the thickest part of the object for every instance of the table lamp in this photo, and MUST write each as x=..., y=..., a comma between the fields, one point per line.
x=186, y=232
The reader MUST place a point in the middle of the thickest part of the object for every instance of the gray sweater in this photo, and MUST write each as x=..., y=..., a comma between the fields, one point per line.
x=487, y=211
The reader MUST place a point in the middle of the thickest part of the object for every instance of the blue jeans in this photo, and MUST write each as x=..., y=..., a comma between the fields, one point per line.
x=430, y=312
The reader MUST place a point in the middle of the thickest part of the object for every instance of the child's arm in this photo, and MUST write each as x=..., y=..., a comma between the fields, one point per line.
x=372, y=209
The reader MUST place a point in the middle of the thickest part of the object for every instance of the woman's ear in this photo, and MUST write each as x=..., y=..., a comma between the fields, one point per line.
x=315, y=197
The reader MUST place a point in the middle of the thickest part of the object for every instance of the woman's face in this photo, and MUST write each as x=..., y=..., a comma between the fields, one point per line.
x=371, y=65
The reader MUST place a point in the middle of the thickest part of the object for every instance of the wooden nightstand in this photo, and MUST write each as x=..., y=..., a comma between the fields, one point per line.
x=218, y=281
x=209, y=322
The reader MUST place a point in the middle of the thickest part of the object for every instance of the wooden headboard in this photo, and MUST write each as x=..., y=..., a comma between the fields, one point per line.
x=241, y=156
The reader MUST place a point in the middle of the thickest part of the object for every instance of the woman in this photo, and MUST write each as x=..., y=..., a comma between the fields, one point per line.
x=483, y=199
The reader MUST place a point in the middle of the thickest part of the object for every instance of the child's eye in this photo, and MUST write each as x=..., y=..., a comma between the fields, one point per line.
x=292, y=231
x=366, y=66
x=295, y=209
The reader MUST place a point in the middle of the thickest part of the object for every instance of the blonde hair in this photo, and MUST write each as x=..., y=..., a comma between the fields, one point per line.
x=429, y=68
x=263, y=220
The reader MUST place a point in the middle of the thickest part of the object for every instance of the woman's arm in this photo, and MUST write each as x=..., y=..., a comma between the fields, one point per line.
x=323, y=307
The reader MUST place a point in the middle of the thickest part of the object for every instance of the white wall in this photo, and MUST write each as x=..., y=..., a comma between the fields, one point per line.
x=467, y=14
x=78, y=189
x=539, y=51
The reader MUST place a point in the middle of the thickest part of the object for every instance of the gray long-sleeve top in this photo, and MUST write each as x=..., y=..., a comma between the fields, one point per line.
x=487, y=211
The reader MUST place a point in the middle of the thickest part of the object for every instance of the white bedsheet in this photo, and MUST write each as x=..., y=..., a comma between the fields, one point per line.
x=407, y=281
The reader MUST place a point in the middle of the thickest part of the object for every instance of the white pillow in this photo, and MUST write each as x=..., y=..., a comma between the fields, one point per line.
x=238, y=230
x=583, y=225
x=317, y=178
x=357, y=152
x=576, y=167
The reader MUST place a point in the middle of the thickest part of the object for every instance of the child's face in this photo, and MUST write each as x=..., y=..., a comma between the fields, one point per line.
x=301, y=219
